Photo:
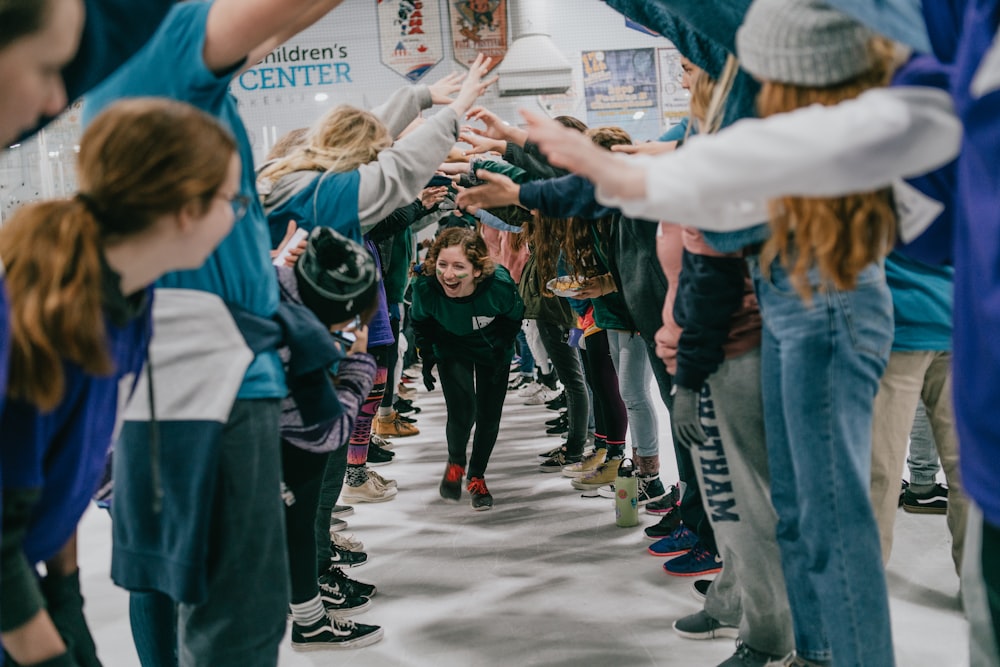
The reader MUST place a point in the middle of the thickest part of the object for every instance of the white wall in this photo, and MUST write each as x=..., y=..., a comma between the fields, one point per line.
x=31, y=171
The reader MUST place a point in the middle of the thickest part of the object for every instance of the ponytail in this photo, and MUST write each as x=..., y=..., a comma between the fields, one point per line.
x=52, y=253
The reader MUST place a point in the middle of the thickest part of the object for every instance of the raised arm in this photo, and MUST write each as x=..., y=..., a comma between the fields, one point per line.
x=247, y=30
x=722, y=182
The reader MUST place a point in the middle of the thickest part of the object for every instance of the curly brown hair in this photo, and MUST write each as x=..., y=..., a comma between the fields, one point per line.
x=472, y=245
x=838, y=235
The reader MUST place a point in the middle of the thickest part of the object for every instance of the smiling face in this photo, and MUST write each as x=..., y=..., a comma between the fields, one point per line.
x=31, y=69
x=455, y=272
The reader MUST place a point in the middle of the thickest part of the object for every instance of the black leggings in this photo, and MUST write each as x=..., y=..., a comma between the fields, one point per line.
x=610, y=418
x=303, y=476
x=333, y=472
x=391, y=359
x=473, y=394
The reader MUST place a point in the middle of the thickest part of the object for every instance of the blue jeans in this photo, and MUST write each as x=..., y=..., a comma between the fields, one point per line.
x=628, y=353
x=820, y=370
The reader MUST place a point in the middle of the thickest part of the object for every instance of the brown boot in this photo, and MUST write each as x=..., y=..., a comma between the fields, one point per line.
x=391, y=426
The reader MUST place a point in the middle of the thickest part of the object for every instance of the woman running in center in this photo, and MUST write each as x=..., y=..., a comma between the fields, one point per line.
x=466, y=314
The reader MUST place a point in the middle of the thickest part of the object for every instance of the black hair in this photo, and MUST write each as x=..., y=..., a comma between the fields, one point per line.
x=19, y=18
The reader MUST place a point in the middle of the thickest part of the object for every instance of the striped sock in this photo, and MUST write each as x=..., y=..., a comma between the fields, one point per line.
x=308, y=612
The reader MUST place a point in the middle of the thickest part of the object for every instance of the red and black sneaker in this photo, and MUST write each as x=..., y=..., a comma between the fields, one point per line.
x=481, y=497
x=451, y=483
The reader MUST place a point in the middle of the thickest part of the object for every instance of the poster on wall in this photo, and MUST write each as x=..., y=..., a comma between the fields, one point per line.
x=478, y=26
x=410, y=36
x=621, y=89
x=674, y=100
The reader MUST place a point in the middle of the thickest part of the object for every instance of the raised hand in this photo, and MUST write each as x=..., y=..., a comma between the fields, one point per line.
x=473, y=85
x=646, y=148
x=498, y=190
x=444, y=88
x=481, y=144
x=430, y=197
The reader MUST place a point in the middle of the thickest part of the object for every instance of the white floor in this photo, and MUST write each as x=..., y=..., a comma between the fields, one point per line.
x=545, y=578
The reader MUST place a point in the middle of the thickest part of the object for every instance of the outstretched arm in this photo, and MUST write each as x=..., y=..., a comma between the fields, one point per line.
x=722, y=182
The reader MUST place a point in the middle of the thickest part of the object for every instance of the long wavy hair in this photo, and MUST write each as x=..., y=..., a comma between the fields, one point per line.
x=139, y=160
x=342, y=140
x=840, y=236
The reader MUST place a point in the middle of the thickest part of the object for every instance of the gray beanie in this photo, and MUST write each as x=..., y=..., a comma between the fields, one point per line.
x=802, y=42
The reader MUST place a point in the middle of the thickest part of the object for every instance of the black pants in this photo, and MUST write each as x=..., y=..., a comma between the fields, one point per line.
x=473, y=394
x=391, y=359
x=567, y=364
x=329, y=494
x=610, y=417
x=303, y=477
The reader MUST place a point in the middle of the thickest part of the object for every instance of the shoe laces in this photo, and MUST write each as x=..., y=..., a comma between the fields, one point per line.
x=477, y=485
x=378, y=441
x=345, y=543
x=379, y=479
x=454, y=472
x=700, y=554
x=342, y=624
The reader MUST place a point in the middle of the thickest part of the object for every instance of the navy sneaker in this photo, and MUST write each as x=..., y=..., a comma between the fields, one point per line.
x=679, y=541
x=697, y=562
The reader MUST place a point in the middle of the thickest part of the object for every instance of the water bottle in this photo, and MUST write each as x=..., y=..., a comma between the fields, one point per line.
x=626, y=495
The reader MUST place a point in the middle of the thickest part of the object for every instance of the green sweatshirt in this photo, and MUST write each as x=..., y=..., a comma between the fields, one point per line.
x=481, y=326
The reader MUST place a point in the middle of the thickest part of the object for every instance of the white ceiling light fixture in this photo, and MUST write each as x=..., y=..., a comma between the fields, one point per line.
x=533, y=64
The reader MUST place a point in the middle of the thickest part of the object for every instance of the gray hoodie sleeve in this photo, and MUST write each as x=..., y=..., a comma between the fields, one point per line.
x=403, y=170
x=402, y=107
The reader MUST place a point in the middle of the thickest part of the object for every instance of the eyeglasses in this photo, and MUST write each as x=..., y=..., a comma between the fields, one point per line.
x=239, y=202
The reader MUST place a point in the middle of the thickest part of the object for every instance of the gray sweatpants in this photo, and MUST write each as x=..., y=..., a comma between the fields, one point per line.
x=731, y=467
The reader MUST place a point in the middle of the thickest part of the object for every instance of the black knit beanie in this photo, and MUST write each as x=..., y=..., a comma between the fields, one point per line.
x=337, y=277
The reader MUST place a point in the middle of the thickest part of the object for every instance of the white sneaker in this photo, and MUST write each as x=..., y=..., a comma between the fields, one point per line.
x=542, y=397
x=347, y=541
x=380, y=480
x=369, y=492
x=531, y=389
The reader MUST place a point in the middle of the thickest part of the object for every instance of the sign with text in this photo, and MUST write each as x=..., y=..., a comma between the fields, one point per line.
x=410, y=36
x=478, y=26
x=621, y=89
x=294, y=65
x=675, y=102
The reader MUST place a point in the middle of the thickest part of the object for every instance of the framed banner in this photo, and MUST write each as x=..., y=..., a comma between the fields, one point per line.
x=675, y=102
x=410, y=36
x=478, y=26
x=621, y=89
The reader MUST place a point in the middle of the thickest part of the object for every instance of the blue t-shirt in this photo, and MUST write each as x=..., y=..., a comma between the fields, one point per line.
x=239, y=271
x=676, y=132
x=921, y=303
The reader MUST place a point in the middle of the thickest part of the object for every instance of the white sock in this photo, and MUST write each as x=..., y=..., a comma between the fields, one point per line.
x=384, y=412
x=308, y=612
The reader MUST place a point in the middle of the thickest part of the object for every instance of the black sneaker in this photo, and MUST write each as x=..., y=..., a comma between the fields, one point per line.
x=557, y=403
x=345, y=558
x=451, y=483
x=751, y=657
x=934, y=501
x=377, y=456
x=558, y=420
x=334, y=579
x=699, y=589
x=668, y=523
x=334, y=633
x=665, y=504
x=482, y=499
x=338, y=603
x=405, y=406
x=561, y=427
x=556, y=462
x=902, y=491
x=650, y=489
x=342, y=511
x=548, y=454
x=519, y=381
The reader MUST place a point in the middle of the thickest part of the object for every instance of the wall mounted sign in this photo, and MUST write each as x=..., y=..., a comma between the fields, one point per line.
x=478, y=26
x=410, y=36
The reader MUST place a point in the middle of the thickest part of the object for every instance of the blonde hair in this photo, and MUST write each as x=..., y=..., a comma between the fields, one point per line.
x=342, y=140
x=840, y=236
x=702, y=89
x=140, y=159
